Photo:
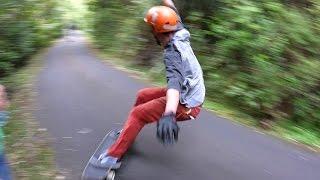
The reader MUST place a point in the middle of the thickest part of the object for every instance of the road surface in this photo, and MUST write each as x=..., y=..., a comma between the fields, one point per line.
x=80, y=99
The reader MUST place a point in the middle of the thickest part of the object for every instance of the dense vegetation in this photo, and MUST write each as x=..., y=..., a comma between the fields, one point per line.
x=25, y=27
x=261, y=57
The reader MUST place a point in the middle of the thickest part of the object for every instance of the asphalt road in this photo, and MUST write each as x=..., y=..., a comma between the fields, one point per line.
x=80, y=99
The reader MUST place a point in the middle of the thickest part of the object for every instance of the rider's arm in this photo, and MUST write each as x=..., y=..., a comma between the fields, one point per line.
x=174, y=79
x=173, y=97
x=173, y=75
x=169, y=3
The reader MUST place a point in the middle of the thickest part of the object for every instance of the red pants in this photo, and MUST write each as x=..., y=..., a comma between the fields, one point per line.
x=149, y=107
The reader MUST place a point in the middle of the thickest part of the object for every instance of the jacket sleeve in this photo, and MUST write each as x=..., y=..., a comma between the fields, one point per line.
x=174, y=71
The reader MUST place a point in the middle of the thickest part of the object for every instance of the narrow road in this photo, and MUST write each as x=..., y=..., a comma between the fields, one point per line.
x=80, y=99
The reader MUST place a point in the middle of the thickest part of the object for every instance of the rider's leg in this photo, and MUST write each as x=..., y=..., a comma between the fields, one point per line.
x=143, y=96
x=148, y=94
x=139, y=116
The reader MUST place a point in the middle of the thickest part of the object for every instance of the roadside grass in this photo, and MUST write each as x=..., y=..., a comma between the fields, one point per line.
x=298, y=134
x=307, y=138
x=283, y=129
x=27, y=146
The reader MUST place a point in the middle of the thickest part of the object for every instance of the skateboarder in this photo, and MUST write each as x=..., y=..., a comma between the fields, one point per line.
x=182, y=98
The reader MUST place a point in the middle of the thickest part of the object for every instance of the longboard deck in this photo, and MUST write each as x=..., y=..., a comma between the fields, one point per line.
x=91, y=172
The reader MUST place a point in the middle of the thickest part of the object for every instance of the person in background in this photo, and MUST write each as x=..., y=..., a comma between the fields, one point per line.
x=5, y=173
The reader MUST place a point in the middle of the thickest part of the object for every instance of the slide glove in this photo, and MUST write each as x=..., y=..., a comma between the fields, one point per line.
x=167, y=129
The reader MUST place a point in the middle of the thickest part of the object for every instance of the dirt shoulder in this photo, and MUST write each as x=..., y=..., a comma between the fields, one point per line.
x=27, y=145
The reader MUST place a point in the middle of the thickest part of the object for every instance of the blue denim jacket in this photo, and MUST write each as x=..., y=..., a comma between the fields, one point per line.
x=3, y=120
x=183, y=70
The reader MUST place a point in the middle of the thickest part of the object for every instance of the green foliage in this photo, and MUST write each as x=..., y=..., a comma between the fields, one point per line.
x=265, y=59
x=261, y=57
x=118, y=27
x=25, y=26
x=74, y=13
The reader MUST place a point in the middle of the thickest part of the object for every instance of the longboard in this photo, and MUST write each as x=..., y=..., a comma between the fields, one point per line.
x=91, y=172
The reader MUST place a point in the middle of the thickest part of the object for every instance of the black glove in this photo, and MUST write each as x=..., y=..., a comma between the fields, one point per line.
x=167, y=129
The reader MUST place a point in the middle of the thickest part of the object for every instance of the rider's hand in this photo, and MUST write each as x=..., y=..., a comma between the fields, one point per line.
x=167, y=129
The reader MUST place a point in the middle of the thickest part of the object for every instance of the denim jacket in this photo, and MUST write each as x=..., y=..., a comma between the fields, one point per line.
x=183, y=70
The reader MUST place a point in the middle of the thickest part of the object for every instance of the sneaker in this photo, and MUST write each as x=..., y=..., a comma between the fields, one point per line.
x=105, y=162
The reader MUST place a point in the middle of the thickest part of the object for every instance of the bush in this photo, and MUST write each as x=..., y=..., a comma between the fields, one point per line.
x=265, y=57
x=25, y=26
x=261, y=57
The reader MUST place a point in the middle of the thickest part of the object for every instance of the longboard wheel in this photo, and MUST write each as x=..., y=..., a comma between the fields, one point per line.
x=110, y=175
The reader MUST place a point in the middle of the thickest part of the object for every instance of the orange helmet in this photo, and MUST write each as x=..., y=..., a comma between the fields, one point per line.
x=162, y=18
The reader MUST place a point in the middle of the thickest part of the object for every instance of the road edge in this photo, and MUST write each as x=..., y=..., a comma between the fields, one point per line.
x=27, y=145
